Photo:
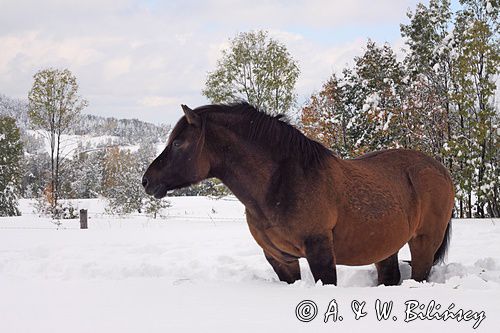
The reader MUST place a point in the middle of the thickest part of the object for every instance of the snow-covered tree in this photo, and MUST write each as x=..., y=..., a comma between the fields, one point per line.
x=474, y=143
x=87, y=172
x=10, y=166
x=439, y=100
x=428, y=65
x=15, y=108
x=380, y=120
x=453, y=62
x=364, y=110
x=122, y=182
x=153, y=206
x=326, y=116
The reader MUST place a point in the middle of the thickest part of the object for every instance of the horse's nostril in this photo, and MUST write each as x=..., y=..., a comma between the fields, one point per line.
x=144, y=181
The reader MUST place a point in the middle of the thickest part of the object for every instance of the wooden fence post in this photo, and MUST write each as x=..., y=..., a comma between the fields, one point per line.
x=83, y=219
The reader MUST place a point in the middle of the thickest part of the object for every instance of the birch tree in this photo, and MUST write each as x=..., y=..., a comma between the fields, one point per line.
x=54, y=107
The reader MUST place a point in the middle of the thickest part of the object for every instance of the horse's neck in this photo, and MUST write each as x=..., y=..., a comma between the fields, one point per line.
x=247, y=172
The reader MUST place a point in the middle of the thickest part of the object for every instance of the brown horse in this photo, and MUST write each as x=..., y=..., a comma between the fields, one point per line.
x=303, y=201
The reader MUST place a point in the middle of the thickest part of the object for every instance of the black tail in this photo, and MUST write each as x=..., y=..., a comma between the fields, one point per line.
x=443, y=248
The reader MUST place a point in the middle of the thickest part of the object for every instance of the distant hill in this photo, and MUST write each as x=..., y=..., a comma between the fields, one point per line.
x=84, y=151
x=129, y=131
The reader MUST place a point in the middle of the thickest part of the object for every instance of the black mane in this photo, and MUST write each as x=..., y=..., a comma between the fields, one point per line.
x=273, y=133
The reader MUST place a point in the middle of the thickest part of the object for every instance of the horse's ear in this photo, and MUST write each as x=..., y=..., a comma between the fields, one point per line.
x=192, y=117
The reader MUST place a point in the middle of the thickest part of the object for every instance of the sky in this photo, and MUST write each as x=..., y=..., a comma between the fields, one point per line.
x=143, y=58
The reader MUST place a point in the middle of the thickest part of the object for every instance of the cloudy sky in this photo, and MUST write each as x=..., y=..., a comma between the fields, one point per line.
x=143, y=58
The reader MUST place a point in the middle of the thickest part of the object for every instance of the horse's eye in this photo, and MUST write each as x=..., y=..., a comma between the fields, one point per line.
x=176, y=143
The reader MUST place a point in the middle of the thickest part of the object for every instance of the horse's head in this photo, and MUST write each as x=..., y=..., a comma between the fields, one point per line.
x=183, y=162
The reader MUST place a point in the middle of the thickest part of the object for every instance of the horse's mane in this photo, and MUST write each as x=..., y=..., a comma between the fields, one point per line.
x=270, y=132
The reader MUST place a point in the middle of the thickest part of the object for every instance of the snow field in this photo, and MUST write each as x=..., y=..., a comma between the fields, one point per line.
x=200, y=270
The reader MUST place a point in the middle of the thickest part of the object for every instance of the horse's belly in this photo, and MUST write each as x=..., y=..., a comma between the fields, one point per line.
x=364, y=242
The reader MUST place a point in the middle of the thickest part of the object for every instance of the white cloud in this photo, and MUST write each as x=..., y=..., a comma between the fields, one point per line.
x=156, y=101
x=138, y=58
x=117, y=67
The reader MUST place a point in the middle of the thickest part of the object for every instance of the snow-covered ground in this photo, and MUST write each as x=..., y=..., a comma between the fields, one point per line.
x=199, y=270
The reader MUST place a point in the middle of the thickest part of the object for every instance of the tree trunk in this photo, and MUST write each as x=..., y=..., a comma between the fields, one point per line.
x=52, y=173
x=56, y=189
x=461, y=208
x=469, y=205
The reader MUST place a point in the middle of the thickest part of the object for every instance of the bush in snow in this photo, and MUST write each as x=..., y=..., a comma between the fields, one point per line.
x=153, y=207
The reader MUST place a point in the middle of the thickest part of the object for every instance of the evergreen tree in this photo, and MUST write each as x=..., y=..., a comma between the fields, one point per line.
x=153, y=206
x=88, y=171
x=10, y=166
x=379, y=122
x=121, y=184
x=36, y=168
x=146, y=153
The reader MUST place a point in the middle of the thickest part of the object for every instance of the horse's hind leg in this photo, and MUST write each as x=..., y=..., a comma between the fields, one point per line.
x=287, y=271
x=388, y=271
x=422, y=250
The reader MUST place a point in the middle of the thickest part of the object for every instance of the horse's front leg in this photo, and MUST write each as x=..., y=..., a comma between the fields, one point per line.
x=286, y=267
x=321, y=258
x=288, y=271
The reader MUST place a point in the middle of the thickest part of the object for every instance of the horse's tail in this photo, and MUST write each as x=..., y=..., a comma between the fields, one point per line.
x=443, y=248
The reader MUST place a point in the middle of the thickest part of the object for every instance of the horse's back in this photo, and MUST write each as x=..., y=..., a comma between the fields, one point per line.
x=414, y=173
x=401, y=158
